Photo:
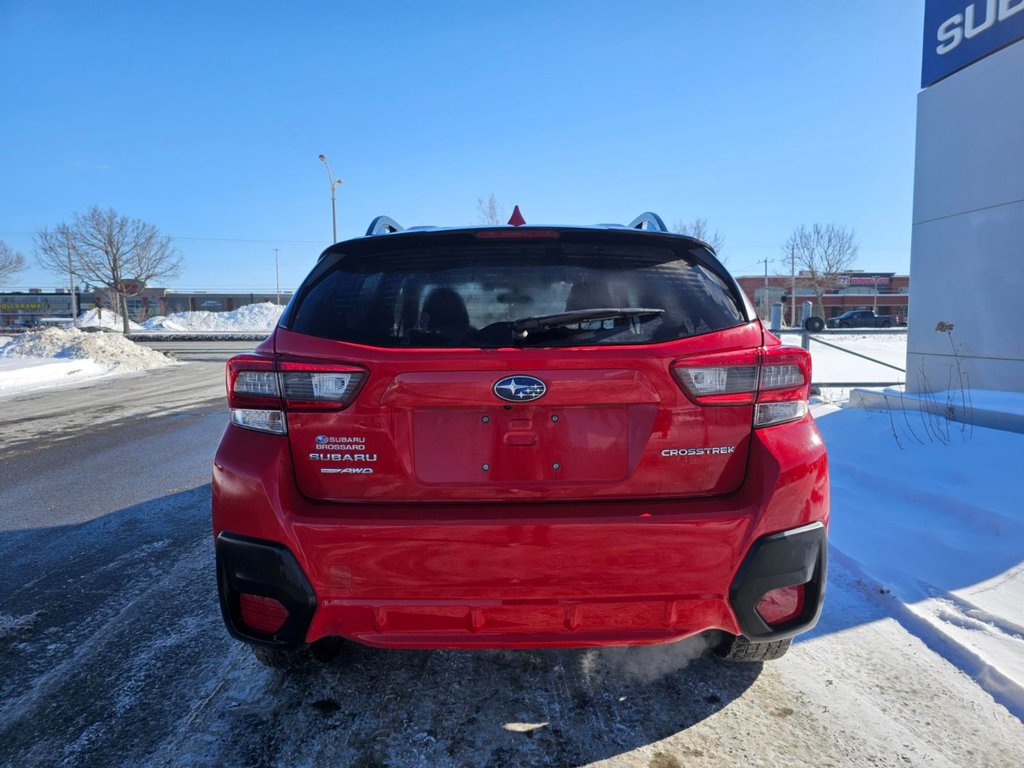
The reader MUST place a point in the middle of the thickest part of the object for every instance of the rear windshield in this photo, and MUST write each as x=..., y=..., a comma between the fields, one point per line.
x=484, y=296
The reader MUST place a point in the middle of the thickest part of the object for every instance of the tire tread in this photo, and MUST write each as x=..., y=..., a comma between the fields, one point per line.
x=739, y=649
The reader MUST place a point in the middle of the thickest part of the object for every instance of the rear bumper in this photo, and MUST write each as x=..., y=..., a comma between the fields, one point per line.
x=268, y=569
x=521, y=575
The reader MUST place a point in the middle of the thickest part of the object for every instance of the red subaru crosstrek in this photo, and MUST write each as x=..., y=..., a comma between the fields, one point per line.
x=519, y=437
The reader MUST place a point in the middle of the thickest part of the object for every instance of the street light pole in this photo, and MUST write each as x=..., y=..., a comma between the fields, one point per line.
x=334, y=184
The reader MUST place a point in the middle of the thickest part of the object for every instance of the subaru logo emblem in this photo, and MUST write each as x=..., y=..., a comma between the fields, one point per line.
x=520, y=389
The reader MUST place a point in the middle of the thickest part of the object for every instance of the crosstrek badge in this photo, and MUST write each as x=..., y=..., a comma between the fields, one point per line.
x=718, y=451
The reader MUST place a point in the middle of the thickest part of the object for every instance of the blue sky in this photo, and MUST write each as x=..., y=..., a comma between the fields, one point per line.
x=206, y=119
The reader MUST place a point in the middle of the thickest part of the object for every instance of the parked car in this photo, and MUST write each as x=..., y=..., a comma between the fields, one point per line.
x=519, y=437
x=864, y=318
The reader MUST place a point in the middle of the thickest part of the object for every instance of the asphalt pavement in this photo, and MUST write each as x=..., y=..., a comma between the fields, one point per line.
x=112, y=650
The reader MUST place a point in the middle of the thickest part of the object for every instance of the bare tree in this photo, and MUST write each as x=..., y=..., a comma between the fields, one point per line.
x=822, y=252
x=108, y=249
x=11, y=262
x=489, y=212
x=699, y=229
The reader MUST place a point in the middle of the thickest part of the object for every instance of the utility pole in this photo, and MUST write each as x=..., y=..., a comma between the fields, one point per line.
x=277, y=278
x=334, y=210
x=71, y=284
x=792, y=286
x=765, y=304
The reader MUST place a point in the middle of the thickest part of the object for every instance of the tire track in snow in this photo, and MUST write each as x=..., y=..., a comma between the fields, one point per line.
x=994, y=682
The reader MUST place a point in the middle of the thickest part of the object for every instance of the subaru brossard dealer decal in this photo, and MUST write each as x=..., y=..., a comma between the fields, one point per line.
x=520, y=389
x=348, y=449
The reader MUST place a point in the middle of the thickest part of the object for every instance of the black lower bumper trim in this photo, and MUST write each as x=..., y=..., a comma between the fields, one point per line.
x=267, y=569
x=786, y=559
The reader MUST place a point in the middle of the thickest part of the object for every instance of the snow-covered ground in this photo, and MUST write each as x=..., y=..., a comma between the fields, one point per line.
x=938, y=528
x=55, y=356
x=19, y=375
x=252, y=318
x=831, y=365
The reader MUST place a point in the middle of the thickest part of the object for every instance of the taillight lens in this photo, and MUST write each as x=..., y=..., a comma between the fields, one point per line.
x=252, y=382
x=785, y=374
x=722, y=379
x=316, y=387
x=776, y=380
x=261, y=389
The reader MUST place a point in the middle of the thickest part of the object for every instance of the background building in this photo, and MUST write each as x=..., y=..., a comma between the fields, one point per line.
x=33, y=307
x=30, y=307
x=884, y=292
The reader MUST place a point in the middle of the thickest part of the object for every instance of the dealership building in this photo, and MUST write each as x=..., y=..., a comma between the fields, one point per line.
x=968, y=225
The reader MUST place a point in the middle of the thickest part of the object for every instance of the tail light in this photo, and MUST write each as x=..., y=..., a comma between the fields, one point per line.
x=316, y=387
x=782, y=605
x=262, y=389
x=722, y=379
x=775, y=380
x=264, y=614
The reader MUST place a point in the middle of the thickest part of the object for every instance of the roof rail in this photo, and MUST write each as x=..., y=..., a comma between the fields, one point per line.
x=648, y=221
x=383, y=225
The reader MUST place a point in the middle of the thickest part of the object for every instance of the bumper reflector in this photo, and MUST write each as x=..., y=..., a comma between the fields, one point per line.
x=264, y=614
x=782, y=605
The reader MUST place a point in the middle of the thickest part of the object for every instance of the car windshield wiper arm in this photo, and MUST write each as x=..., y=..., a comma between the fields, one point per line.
x=524, y=325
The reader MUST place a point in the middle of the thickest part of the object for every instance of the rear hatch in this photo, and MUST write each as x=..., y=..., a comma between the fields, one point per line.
x=488, y=365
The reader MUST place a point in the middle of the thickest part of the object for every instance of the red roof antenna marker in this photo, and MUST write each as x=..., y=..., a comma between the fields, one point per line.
x=516, y=219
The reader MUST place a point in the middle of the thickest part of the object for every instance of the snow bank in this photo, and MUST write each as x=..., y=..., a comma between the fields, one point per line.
x=252, y=318
x=112, y=350
x=61, y=355
x=938, y=528
x=53, y=356
x=105, y=319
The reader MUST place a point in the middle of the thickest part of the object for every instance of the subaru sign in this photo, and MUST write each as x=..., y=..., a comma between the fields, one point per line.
x=959, y=32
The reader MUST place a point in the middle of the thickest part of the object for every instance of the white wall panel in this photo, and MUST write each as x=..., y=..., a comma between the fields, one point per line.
x=970, y=138
x=967, y=254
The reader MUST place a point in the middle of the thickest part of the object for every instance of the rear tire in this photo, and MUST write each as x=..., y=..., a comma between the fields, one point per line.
x=318, y=653
x=278, y=659
x=886, y=324
x=739, y=649
x=814, y=324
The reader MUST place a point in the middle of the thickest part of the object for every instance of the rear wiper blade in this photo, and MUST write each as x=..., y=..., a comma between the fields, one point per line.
x=524, y=325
